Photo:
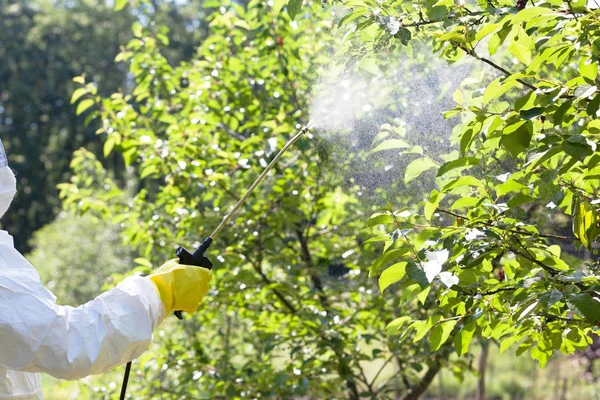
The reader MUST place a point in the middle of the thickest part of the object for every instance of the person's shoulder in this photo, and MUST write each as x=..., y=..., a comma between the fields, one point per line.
x=6, y=239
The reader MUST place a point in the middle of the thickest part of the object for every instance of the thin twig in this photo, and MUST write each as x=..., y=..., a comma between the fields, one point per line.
x=505, y=289
x=516, y=231
x=380, y=370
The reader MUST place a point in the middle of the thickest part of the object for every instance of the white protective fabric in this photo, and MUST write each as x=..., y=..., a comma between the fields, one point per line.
x=37, y=335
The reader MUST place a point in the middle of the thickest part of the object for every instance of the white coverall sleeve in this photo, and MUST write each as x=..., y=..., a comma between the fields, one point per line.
x=37, y=335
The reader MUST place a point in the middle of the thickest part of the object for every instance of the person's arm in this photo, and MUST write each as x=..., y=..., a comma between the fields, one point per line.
x=37, y=335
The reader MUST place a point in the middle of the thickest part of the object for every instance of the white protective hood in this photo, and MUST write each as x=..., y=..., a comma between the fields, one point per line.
x=37, y=335
x=8, y=188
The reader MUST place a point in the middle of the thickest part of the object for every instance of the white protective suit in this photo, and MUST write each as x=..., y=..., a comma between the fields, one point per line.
x=37, y=335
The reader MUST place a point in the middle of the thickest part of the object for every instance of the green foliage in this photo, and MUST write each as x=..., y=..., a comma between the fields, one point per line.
x=280, y=321
x=485, y=256
x=45, y=44
x=75, y=256
x=528, y=141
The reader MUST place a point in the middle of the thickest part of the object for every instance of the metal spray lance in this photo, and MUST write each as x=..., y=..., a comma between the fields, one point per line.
x=197, y=258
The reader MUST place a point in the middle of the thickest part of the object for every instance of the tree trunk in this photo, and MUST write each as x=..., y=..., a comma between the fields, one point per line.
x=481, y=368
x=441, y=382
x=417, y=390
x=563, y=395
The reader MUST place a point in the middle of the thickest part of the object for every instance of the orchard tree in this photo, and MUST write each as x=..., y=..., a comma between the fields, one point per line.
x=489, y=245
x=292, y=312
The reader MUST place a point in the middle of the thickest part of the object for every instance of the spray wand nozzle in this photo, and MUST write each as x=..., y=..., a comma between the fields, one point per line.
x=196, y=258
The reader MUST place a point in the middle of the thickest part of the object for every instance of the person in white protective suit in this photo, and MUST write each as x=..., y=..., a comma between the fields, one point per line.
x=37, y=335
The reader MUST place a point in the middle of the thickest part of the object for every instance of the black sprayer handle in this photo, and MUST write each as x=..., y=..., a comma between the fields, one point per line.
x=196, y=258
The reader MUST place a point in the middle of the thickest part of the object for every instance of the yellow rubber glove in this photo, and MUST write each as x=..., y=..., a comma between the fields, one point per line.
x=181, y=287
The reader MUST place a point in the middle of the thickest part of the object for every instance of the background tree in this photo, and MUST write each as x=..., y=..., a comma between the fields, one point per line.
x=527, y=141
x=46, y=44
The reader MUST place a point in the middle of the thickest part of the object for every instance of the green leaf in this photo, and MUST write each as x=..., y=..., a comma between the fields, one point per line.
x=109, y=145
x=466, y=202
x=395, y=327
x=588, y=69
x=486, y=29
x=462, y=181
x=519, y=199
x=548, y=299
x=497, y=88
x=137, y=29
x=404, y=35
x=518, y=140
x=506, y=343
x=77, y=94
x=392, y=275
x=144, y=262
x=462, y=340
x=585, y=223
x=417, y=274
x=422, y=327
x=417, y=167
x=532, y=113
x=390, y=144
x=148, y=171
x=380, y=219
x=510, y=186
x=577, y=147
x=529, y=13
x=561, y=111
x=494, y=43
x=388, y=256
x=440, y=334
x=423, y=295
x=293, y=8
x=277, y=6
x=592, y=107
x=164, y=39
x=585, y=306
x=465, y=141
x=521, y=53
x=432, y=204
x=461, y=162
x=84, y=105
x=120, y=4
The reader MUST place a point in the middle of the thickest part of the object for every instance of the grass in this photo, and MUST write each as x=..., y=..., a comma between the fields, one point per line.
x=509, y=377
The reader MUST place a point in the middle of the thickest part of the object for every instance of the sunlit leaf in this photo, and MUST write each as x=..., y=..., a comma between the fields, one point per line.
x=418, y=167
x=440, y=334
x=392, y=275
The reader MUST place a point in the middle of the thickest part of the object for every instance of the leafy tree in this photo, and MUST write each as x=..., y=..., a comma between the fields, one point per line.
x=292, y=313
x=527, y=142
x=45, y=44
x=76, y=255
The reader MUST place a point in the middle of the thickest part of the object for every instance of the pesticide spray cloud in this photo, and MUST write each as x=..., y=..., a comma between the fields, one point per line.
x=410, y=94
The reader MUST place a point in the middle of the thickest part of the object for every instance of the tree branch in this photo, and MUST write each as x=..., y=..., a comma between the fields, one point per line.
x=381, y=370
x=516, y=231
x=417, y=390
x=491, y=292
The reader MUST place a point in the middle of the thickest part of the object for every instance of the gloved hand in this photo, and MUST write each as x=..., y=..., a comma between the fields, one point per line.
x=181, y=287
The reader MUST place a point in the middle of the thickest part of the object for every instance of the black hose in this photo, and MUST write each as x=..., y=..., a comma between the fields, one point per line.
x=125, y=380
